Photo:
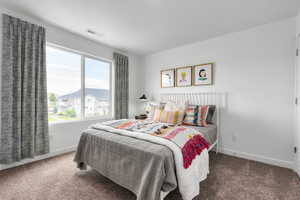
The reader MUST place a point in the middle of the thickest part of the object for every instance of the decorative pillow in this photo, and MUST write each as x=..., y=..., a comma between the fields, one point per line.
x=156, y=115
x=162, y=105
x=172, y=106
x=169, y=117
x=202, y=115
x=152, y=106
x=191, y=115
x=210, y=114
x=199, y=115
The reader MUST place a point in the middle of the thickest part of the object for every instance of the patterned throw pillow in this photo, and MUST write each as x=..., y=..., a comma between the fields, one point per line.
x=169, y=117
x=202, y=115
x=199, y=115
x=191, y=115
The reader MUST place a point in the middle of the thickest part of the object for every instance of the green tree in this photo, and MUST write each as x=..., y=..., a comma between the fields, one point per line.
x=54, y=109
x=52, y=98
x=70, y=113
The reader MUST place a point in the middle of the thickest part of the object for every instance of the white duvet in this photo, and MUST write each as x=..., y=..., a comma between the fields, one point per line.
x=188, y=179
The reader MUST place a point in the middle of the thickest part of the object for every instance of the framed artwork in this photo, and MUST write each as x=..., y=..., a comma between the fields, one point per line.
x=183, y=76
x=167, y=78
x=202, y=74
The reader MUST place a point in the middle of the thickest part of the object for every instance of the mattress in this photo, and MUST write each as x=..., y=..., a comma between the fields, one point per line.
x=209, y=132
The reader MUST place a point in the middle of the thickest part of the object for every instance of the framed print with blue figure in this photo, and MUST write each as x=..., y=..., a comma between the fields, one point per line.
x=167, y=78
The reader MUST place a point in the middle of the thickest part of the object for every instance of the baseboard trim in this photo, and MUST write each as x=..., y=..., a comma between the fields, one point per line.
x=297, y=171
x=262, y=159
x=49, y=155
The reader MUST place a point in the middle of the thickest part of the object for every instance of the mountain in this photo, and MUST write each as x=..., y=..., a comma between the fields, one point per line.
x=100, y=94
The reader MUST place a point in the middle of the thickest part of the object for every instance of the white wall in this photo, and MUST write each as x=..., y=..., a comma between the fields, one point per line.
x=297, y=132
x=298, y=22
x=64, y=137
x=255, y=67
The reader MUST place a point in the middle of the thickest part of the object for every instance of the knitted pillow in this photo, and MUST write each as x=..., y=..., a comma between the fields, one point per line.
x=169, y=117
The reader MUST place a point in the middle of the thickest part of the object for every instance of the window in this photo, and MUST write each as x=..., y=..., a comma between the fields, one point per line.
x=97, y=83
x=79, y=86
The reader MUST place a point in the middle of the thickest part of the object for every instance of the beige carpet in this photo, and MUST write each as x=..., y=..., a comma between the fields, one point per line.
x=230, y=179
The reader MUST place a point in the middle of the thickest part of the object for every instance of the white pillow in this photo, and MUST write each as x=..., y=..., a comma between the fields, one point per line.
x=151, y=106
x=172, y=106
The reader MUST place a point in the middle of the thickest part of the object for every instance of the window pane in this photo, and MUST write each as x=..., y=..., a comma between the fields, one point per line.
x=97, y=86
x=63, y=85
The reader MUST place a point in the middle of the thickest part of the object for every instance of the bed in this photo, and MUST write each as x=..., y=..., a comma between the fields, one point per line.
x=148, y=167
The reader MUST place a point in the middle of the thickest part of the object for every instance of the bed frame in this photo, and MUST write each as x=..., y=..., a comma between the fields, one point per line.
x=208, y=98
x=202, y=98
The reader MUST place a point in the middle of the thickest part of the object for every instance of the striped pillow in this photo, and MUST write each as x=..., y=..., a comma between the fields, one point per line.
x=170, y=117
x=198, y=115
x=191, y=115
x=202, y=115
x=156, y=115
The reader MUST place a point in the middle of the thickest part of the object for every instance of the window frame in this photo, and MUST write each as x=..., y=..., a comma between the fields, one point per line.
x=83, y=56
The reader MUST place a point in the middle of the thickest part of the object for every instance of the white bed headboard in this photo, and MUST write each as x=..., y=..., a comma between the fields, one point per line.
x=208, y=98
x=205, y=98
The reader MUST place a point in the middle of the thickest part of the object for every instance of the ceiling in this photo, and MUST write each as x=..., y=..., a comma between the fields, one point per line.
x=147, y=26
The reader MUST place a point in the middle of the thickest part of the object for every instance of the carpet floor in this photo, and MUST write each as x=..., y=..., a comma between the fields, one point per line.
x=230, y=179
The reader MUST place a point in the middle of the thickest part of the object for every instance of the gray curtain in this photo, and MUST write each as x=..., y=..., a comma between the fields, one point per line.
x=24, y=118
x=121, y=86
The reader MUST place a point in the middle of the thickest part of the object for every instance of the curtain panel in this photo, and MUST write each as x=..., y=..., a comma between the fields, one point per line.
x=121, y=86
x=24, y=117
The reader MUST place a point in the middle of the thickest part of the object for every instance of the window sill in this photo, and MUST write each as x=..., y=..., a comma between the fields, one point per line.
x=101, y=119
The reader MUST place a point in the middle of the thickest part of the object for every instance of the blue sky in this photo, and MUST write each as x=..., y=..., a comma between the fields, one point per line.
x=95, y=69
x=64, y=72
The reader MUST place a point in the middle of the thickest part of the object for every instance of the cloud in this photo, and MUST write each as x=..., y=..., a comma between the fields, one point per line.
x=63, y=79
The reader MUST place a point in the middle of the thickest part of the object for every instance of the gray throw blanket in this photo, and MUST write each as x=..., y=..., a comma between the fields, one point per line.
x=142, y=167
